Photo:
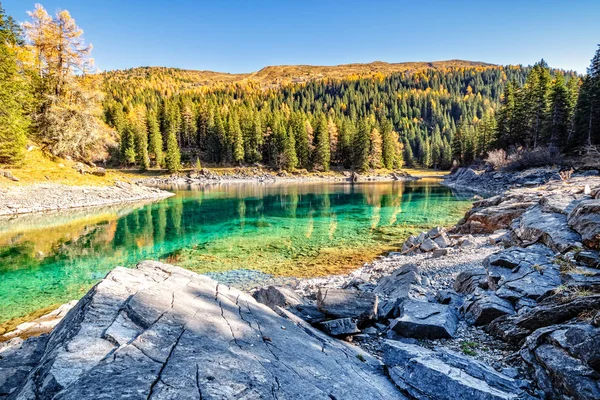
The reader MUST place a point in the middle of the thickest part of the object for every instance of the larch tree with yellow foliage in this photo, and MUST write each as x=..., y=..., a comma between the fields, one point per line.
x=68, y=107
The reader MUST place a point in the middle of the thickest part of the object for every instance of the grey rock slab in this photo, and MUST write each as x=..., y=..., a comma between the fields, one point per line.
x=529, y=272
x=339, y=327
x=589, y=257
x=445, y=375
x=161, y=332
x=17, y=358
x=469, y=280
x=484, y=307
x=517, y=327
x=585, y=219
x=277, y=296
x=547, y=227
x=560, y=356
x=429, y=245
x=420, y=319
x=400, y=284
x=343, y=303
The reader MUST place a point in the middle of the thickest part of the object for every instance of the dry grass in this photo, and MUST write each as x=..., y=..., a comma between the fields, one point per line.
x=38, y=167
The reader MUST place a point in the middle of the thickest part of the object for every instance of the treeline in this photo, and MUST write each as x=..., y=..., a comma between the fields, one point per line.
x=45, y=93
x=408, y=118
x=551, y=110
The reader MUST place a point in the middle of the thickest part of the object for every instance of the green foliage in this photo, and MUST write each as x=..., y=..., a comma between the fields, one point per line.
x=14, y=95
x=322, y=151
x=362, y=146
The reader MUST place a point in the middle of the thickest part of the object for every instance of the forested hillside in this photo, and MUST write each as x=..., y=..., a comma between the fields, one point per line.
x=359, y=116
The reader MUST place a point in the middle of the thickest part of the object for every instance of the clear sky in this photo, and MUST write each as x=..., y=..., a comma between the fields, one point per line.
x=244, y=36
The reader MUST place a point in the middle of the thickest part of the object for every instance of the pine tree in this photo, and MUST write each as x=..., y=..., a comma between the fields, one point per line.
x=155, y=145
x=389, y=147
x=375, y=151
x=505, y=117
x=587, y=118
x=238, y=141
x=560, y=112
x=362, y=146
x=172, y=157
x=322, y=150
x=298, y=128
x=172, y=124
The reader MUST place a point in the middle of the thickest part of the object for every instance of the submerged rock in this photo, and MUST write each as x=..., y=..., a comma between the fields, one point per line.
x=159, y=331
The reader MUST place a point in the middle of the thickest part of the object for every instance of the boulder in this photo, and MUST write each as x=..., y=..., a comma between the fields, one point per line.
x=401, y=284
x=565, y=360
x=428, y=245
x=17, y=358
x=588, y=257
x=437, y=253
x=277, y=296
x=467, y=281
x=435, y=232
x=423, y=320
x=343, y=303
x=498, y=236
x=159, y=331
x=585, y=219
x=488, y=219
x=445, y=375
x=484, y=307
x=517, y=272
x=442, y=240
x=339, y=327
x=548, y=228
x=515, y=328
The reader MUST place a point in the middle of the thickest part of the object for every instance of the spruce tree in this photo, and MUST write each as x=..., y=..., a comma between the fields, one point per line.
x=298, y=128
x=322, y=153
x=238, y=142
x=560, y=112
x=172, y=156
x=389, y=146
x=155, y=145
x=362, y=146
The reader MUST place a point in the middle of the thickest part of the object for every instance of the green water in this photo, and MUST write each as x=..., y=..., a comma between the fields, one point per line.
x=235, y=232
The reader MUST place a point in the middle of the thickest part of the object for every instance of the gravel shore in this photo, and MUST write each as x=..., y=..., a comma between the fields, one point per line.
x=46, y=197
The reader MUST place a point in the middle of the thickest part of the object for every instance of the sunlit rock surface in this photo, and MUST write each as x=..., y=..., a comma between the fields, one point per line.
x=161, y=332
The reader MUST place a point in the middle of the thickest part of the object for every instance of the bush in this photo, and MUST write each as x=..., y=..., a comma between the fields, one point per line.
x=497, y=159
x=520, y=158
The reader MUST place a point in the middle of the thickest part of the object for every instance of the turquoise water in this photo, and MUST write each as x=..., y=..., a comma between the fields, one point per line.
x=261, y=230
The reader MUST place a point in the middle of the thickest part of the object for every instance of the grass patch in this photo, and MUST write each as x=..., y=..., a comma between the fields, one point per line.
x=469, y=348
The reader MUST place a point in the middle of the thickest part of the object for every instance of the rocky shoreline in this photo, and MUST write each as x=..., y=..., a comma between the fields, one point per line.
x=17, y=200
x=257, y=175
x=506, y=305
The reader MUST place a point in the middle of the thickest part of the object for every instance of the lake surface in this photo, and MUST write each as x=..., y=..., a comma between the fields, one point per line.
x=239, y=234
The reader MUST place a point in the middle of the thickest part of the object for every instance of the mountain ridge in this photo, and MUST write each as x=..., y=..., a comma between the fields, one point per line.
x=277, y=75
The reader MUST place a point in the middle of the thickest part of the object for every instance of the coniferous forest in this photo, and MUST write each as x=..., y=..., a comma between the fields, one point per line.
x=167, y=118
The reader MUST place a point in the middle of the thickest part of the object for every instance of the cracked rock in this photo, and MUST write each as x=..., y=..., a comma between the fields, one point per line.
x=161, y=332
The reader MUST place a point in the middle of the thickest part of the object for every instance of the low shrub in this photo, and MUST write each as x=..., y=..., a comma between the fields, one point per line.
x=521, y=158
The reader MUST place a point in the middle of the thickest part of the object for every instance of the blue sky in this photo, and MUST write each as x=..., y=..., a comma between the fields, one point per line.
x=244, y=36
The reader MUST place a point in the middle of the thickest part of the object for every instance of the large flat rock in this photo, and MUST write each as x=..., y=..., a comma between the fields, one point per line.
x=161, y=332
x=445, y=375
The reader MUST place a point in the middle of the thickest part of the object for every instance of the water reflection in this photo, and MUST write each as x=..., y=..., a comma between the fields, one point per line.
x=293, y=230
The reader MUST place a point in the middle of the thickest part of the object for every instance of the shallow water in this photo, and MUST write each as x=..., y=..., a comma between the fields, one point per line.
x=236, y=233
